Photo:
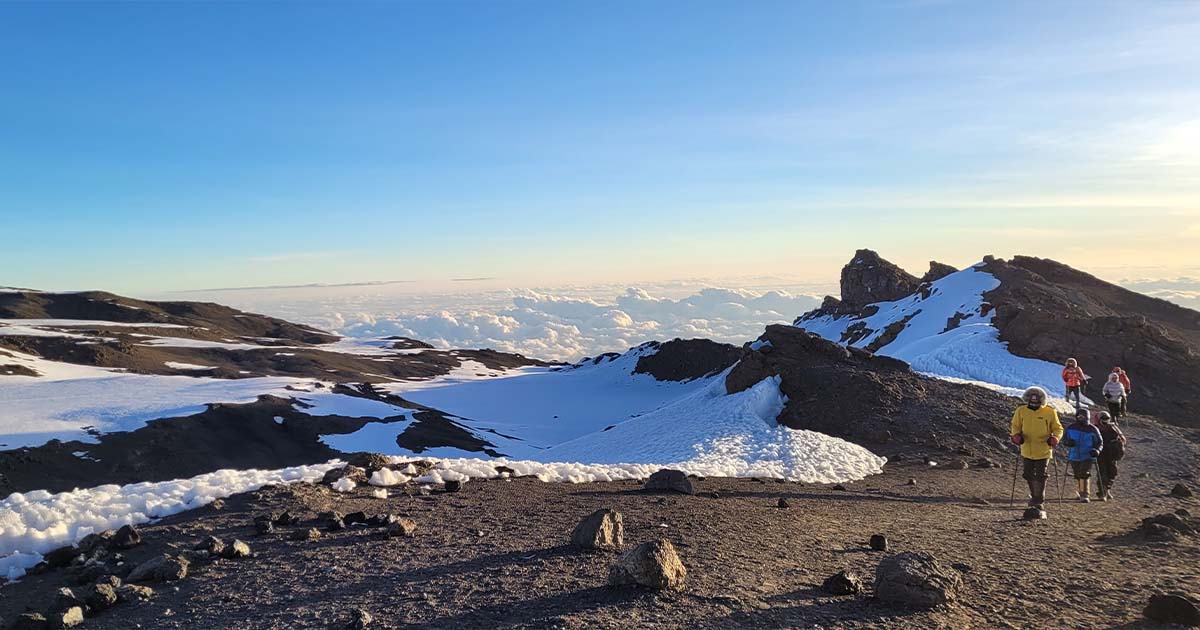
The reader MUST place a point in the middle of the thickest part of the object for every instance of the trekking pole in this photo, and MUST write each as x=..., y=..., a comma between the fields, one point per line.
x=1100, y=487
x=1060, y=479
x=1012, y=497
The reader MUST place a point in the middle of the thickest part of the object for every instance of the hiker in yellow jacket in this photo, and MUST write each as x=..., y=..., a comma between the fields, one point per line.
x=1036, y=429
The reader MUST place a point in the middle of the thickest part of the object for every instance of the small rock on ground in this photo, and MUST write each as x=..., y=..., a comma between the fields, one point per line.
x=670, y=480
x=602, y=529
x=653, y=564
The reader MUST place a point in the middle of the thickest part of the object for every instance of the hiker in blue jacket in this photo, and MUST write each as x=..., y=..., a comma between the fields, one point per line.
x=1084, y=443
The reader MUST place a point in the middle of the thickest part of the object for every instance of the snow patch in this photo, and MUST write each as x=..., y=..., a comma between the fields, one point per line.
x=33, y=523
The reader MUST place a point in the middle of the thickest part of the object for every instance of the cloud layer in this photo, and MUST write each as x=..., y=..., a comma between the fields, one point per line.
x=554, y=326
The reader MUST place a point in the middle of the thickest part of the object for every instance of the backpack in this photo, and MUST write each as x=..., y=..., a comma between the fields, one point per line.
x=1114, y=447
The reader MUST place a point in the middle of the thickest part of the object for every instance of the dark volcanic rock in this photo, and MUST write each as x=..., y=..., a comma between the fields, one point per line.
x=667, y=480
x=452, y=485
x=687, y=359
x=652, y=564
x=937, y=271
x=869, y=278
x=68, y=618
x=602, y=529
x=127, y=537
x=1173, y=608
x=402, y=528
x=916, y=580
x=1047, y=310
x=360, y=620
x=162, y=568
x=236, y=549
x=1180, y=491
x=61, y=557
x=101, y=597
x=211, y=544
x=878, y=542
x=856, y=395
x=842, y=583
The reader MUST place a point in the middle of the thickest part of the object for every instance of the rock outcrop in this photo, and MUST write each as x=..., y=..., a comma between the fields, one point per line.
x=1047, y=310
x=687, y=359
x=872, y=400
x=937, y=271
x=868, y=278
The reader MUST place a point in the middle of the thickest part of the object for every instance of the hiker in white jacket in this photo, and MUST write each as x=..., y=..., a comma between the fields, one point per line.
x=1114, y=393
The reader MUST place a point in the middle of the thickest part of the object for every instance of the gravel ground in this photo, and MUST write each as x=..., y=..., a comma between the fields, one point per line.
x=495, y=555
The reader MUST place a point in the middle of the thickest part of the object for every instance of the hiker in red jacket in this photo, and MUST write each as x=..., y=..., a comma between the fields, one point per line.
x=1124, y=379
x=1074, y=379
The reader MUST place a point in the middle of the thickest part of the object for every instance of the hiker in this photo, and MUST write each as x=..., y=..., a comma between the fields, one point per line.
x=1036, y=429
x=1124, y=378
x=1074, y=378
x=1085, y=444
x=1114, y=394
x=1113, y=451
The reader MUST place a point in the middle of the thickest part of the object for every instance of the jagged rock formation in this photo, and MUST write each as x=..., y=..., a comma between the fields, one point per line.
x=871, y=399
x=1046, y=310
x=937, y=271
x=868, y=278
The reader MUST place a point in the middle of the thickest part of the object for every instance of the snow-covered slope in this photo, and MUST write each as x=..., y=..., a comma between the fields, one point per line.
x=945, y=331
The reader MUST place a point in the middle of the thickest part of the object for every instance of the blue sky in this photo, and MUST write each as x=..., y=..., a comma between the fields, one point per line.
x=170, y=146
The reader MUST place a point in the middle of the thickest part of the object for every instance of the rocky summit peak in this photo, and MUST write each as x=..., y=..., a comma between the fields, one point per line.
x=937, y=271
x=868, y=278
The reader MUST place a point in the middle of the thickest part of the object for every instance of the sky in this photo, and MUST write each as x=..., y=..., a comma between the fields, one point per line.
x=149, y=148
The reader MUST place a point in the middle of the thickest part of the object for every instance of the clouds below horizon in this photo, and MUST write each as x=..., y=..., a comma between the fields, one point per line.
x=548, y=325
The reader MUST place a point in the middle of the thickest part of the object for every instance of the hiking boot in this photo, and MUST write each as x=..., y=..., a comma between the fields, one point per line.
x=1108, y=496
x=1084, y=499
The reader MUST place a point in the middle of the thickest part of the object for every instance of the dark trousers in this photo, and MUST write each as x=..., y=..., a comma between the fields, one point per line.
x=1073, y=389
x=1108, y=471
x=1034, y=473
x=1116, y=408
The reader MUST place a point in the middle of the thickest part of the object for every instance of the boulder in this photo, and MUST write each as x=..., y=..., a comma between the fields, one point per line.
x=353, y=473
x=1173, y=608
x=842, y=583
x=878, y=542
x=287, y=519
x=162, y=568
x=652, y=564
x=916, y=580
x=602, y=529
x=263, y=527
x=453, y=485
x=1181, y=491
x=134, y=593
x=360, y=620
x=127, y=537
x=211, y=544
x=667, y=480
x=368, y=461
x=402, y=527
x=65, y=598
x=236, y=549
x=60, y=557
x=355, y=517
x=782, y=504
x=99, y=540
x=101, y=597
x=311, y=533
x=68, y=618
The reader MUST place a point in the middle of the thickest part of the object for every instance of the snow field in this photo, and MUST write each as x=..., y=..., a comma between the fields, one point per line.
x=971, y=352
x=33, y=523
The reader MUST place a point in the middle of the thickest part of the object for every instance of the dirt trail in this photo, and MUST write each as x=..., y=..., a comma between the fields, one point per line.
x=495, y=554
